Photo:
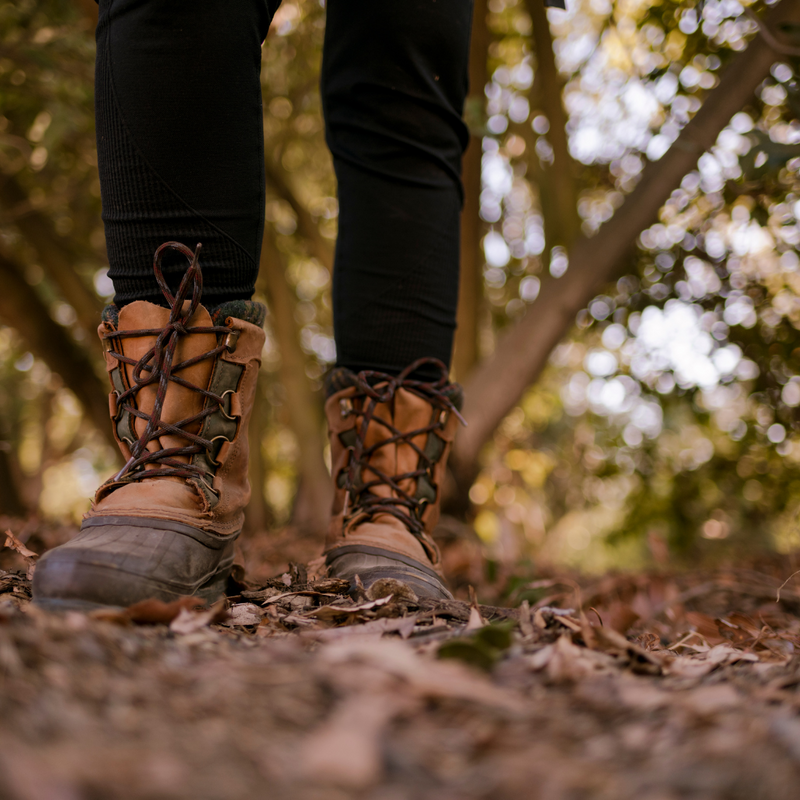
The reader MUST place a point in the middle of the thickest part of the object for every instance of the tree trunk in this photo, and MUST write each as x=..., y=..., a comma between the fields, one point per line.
x=470, y=290
x=559, y=198
x=10, y=499
x=56, y=258
x=315, y=492
x=22, y=309
x=307, y=227
x=257, y=517
x=499, y=382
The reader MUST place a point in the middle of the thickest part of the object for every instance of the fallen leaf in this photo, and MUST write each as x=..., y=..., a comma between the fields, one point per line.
x=476, y=622
x=157, y=612
x=346, y=749
x=276, y=598
x=30, y=557
x=242, y=614
x=636, y=658
x=374, y=628
x=190, y=621
x=390, y=587
x=569, y=663
x=15, y=544
x=338, y=612
x=430, y=679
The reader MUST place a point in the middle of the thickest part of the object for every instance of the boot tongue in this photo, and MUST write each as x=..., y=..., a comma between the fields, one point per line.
x=406, y=412
x=180, y=402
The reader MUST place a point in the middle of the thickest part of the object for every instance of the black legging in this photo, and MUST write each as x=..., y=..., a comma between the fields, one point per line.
x=180, y=147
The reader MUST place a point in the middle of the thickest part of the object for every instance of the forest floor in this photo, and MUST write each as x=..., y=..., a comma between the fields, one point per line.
x=655, y=686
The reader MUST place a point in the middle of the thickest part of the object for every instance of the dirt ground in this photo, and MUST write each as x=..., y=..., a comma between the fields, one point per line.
x=655, y=687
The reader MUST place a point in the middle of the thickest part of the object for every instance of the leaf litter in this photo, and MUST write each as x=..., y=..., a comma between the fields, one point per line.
x=653, y=687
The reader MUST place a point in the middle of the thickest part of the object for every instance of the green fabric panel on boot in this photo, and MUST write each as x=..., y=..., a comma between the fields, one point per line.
x=124, y=422
x=221, y=426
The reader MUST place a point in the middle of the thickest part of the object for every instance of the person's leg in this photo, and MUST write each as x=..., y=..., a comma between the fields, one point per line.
x=394, y=80
x=180, y=153
x=180, y=140
x=393, y=87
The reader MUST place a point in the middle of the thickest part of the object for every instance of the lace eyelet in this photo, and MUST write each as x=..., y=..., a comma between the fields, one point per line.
x=231, y=340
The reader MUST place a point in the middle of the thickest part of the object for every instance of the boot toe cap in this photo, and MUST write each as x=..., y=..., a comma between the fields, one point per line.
x=372, y=564
x=123, y=561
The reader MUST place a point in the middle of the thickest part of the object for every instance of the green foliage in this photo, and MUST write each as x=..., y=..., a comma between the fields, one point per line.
x=483, y=648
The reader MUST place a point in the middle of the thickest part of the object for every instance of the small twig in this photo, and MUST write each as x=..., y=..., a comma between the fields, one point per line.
x=600, y=619
x=778, y=598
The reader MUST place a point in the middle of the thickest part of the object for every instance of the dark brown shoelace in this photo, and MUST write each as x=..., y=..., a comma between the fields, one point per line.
x=156, y=366
x=374, y=388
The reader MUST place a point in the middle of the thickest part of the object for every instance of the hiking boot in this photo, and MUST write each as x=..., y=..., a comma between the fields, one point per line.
x=390, y=437
x=183, y=382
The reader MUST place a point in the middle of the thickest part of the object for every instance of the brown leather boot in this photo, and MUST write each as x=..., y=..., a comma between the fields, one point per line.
x=390, y=437
x=183, y=383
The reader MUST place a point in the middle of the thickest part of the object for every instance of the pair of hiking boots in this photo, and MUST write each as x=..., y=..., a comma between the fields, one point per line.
x=183, y=384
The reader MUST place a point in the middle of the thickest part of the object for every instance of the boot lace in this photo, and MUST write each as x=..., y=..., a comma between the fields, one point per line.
x=157, y=366
x=374, y=388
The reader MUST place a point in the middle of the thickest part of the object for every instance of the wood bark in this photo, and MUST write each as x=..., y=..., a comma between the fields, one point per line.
x=498, y=383
x=307, y=227
x=257, y=518
x=315, y=491
x=11, y=503
x=22, y=309
x=557, y=186
x=470, y=290
x=56, y=257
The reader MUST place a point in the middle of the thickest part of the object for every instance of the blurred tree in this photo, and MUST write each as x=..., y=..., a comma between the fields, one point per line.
x=629, y=294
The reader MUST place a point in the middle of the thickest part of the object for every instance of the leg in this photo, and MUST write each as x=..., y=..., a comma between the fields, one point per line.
x=180, y=140
x=393, y=85
x=180, y=152
x=394, y=79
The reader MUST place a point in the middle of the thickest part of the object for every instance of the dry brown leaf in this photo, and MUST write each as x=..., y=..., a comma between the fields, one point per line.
x=242, y=614
x=276, y=598
x=374, y=628
x=708, y=701
x=16, y=545
x=636, y=658
x=476, y=621
x=339, y=612
x=346, y=749
x=190, y=621
x=619, y=617
x=157, y=612
x=391, y=587
x=431, y=679
x=526, y=619
x=541, y=658
x=569, y=663
x=29, y=555
x=706, y=626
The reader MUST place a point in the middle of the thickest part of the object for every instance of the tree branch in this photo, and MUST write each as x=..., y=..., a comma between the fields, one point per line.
x=313, y=505
x=559, y=198
x=470, y=288
x=56, y=257
x=22, y=309
x=499, y=382
x=306, y=224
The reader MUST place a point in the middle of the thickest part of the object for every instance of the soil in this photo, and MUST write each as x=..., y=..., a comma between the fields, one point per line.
x=653, y=686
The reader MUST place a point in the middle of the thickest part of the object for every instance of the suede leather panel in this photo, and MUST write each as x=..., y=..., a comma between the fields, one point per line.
x=171, y=497
x=179, y=402
x=406, y=412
